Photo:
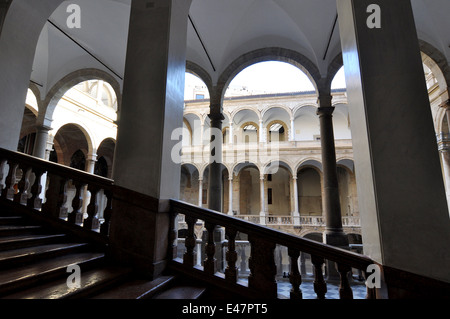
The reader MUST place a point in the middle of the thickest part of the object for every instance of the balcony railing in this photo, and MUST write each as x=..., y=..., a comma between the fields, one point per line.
x=347, y=221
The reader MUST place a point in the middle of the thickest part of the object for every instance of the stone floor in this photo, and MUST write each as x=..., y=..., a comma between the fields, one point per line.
x=284, y=287
x=307, y=287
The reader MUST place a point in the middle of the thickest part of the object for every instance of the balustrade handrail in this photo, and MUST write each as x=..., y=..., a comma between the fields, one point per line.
x=303, y=244
x=55, y=168
x=27, y=193
x=263, y=241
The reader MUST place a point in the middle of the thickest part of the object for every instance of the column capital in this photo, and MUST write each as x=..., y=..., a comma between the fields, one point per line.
x=216, y=118
x=294, y=178
x=43, y=128
x=445, y=104
x=324, y=100
x=325, y=111
x=91, y=157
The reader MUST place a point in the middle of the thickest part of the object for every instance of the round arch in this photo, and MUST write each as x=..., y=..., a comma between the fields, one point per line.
x=62, y=86
x=312, y=163
x=70, y=138
x=273, y=166
x=268, y=54
x=201, y=73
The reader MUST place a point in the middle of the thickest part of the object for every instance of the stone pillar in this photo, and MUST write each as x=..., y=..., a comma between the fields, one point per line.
x=152, y=108
x=292, y=131
x=295, y=213
x=262, y=214
x=91, y=159
x=215, y=167
x=445, y=158
x=230, y=134
x=261, y=132
x=200, y=192
x=19, y=36
x=202, y=131
x=401, y=194
x=334, y=234
x=444, y=150
x=41, y=142
x=230, y=196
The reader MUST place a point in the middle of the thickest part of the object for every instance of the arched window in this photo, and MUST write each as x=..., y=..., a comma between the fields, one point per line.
x=78, y=160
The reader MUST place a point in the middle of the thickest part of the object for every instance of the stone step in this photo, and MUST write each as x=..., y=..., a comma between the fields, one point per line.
x=21, y=256
x=35, y=273
x=22, y=241
x=11, y=220
x=10, y=230
x=137, y=289
x=91, y=283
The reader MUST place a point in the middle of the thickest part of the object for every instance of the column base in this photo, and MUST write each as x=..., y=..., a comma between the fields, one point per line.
x=336, y=238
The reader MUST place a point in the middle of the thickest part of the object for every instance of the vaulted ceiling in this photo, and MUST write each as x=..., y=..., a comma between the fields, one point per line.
x=219, y=31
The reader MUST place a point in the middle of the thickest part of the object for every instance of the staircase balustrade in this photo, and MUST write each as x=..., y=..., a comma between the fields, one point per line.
x=263, y=241
x=44, y=187
x=40, y=186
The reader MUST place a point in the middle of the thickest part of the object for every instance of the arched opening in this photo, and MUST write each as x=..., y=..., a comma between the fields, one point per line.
x=27, y=132
x=277, y=132
x=249, y=133
x=189, y=184
x=309, y=192
x=307, y=125
x=249, y=190
x=105, y=158
x=71, y=139
x=279, y=192
x=269, y=77
x=195, y=88
x=347, y=192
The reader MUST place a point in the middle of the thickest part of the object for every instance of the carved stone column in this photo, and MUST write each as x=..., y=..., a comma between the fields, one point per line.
x=334, y=234
x=215, y=167
x=41, y=142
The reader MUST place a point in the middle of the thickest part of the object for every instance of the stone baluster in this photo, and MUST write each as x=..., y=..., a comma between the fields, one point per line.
x=76, y=216
x=21, y=195
x=35, y=202
x=104, y=228
x=210, y=249
x=262, y=267
x=320, y=286
x=345, y=291
x=56, y=196
x=173, y=236
x=2, y=174
x=8, y=191
x=295, y=278
x=92, y=222
x=231, y=272
x=370, y=292
x=188, y=257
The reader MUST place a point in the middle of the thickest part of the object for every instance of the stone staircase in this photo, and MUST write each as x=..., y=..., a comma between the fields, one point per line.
x=34, y=263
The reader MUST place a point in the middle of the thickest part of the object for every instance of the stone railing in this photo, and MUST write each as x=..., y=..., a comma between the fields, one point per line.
x=57, y=193
x=261, y=264
x=347, y=221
